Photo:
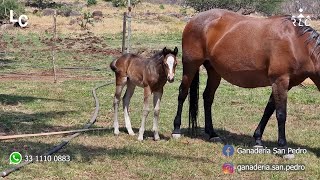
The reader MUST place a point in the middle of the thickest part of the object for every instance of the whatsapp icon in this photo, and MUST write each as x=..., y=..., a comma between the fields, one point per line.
x=15, y=158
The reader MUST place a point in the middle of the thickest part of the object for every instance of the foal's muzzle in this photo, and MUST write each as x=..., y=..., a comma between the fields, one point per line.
x=170, y=80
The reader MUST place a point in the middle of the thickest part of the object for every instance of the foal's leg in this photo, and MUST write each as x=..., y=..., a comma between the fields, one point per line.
x=126, y=102
x=120, y=83
x=146, y=110
x=156, y=103
x=189, y=70
x=268, y=111
x=213, y=82
x=279, y=91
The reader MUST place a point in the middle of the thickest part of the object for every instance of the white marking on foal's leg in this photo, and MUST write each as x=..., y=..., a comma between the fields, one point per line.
x=156, y=104
x=146, y=111
x=126, y=102
x=115, y=108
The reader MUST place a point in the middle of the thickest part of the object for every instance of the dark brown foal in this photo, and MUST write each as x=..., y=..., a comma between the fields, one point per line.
x=248, y=52
x=151, y=74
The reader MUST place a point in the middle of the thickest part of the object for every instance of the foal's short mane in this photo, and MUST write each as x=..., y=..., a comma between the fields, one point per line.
x=313, y=34
x=157, y=55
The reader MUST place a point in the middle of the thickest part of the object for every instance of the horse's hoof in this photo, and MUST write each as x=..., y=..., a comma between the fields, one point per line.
x=215, y=139
x=157, y=138
x=176, y=136
x=288, y=156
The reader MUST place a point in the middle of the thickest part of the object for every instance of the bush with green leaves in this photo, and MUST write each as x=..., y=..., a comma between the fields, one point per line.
x=7, y=5
x=85, y=20
x=91, y=2
x=124, y=3
x=267, y=7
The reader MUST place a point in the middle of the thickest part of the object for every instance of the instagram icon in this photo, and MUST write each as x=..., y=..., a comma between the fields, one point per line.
x=227, y=168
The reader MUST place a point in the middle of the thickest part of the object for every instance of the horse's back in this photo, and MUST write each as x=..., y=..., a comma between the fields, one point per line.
x=244, y=50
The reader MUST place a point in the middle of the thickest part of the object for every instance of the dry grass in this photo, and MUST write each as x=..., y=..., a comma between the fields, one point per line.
x=143, y=15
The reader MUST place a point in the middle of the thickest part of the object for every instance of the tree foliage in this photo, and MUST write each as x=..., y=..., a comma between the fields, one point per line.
x=7, y=5
x=246, y=6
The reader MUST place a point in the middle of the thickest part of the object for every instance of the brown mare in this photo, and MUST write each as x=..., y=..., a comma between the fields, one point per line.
x=151, y=74
x=248, y=52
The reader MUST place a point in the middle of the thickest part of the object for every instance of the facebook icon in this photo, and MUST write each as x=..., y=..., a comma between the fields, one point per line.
x=228, y=150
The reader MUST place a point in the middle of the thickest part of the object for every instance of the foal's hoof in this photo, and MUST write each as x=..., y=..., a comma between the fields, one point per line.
x=215, y=139
x=288, y=156
x=140, y=138
x=176, y=136
x=131, y=133
x=116, y=132
x=157, y=137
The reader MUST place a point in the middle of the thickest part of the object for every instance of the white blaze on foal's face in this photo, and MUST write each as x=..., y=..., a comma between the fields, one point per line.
x=170, y=62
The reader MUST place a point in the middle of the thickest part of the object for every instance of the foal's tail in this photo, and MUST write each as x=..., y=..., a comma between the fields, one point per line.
x=113, y=65
x=193, y=104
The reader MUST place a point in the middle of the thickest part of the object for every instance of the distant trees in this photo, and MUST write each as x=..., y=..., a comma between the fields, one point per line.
x=7, y=5
x=267, y=7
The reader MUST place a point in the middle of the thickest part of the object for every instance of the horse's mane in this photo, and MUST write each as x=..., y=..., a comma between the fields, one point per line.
x=313, y=34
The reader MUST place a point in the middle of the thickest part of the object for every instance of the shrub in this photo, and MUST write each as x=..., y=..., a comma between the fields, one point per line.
x=265, y=6
x=85, y=20
x=7, y=5
x=124, y=3
x=91, y=2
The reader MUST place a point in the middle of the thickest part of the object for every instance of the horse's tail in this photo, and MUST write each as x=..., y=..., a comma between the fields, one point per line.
x=113, y=65
x=193, y=103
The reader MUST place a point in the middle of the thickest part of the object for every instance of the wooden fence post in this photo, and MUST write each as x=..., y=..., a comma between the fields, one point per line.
x=54, y=45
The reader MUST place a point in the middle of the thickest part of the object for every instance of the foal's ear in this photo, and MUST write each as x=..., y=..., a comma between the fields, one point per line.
x=175, y=51
x=165, y=51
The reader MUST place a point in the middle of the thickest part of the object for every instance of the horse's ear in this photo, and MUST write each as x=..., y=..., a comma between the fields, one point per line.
x=175, y=51
x=164, y=51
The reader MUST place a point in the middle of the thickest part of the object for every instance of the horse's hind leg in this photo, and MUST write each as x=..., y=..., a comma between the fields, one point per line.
x=189, y=71
x=264, y=120
x=156, y=103
x=146, y=110
x=213, y=82
x=120, y=83
x=126, y=102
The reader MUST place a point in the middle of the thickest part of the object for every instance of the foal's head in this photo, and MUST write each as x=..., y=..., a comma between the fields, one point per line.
x=170, y=62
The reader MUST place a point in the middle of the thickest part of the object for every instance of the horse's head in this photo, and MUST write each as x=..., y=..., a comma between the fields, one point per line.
x=170, y=62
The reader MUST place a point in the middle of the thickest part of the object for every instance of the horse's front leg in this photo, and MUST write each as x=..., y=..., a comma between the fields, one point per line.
x=279, y=90
x=156, y=104
x=146, y=110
